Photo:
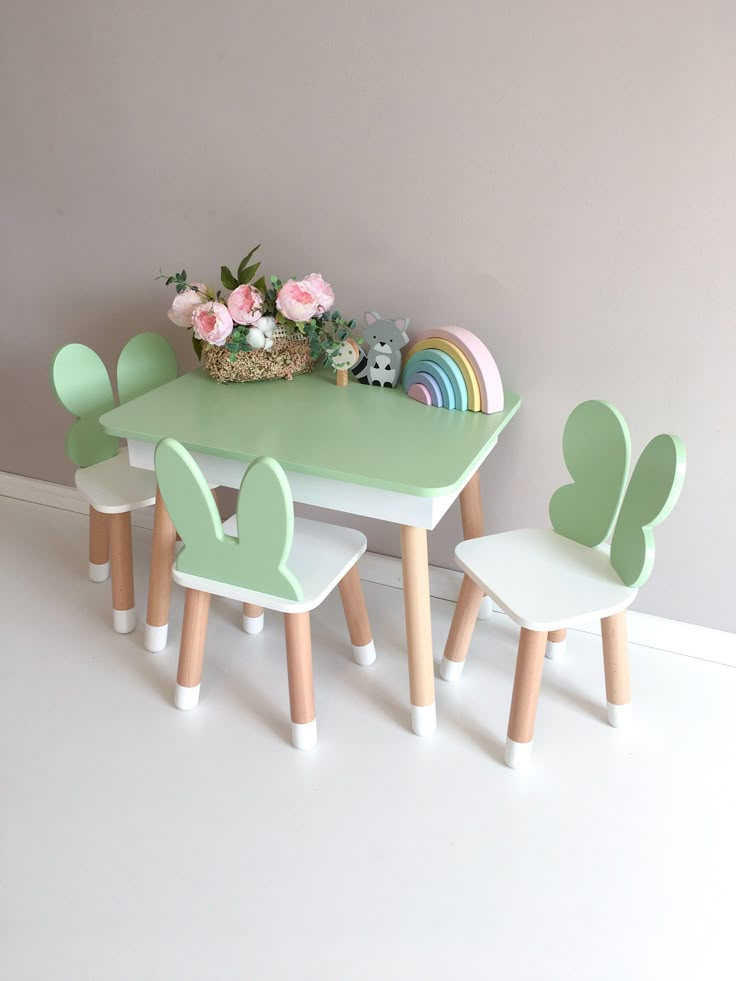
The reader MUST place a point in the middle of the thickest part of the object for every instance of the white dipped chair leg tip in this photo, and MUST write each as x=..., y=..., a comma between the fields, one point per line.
x=304, y=734
x=619, y=716
x=253, y=625
x=99, y=571
x=154, y=638
x=486, y=608
x=424, y=719
x=555, y=650
x=364, y=654
x=123, y=621
x=451, y=670
x=518, y=755
x=186, y=698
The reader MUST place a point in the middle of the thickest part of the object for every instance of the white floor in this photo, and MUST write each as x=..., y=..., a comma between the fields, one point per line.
x=139, y=842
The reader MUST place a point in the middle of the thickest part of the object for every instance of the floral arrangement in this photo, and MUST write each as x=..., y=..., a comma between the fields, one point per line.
x=249, y=318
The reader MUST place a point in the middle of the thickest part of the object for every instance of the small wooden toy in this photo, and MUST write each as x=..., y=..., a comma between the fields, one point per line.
x=111, y=486
x=381, y=365
x=277, y=561
x=346, y=357
x=547, y=580
x=464, y=361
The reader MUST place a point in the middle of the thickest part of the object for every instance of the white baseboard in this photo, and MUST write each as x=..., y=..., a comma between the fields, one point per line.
x=644, y=629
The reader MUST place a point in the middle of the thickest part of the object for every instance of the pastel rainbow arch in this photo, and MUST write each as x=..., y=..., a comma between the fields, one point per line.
x=456, y=364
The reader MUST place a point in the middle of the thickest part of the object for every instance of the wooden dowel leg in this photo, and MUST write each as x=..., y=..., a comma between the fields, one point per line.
x=191, y=648
x=356, y=615
x=461, y=630
x=527, y=681
x=121, y=562
x=301, y=683
x=159, y=582
x=616, y=668
x=415, y=564
x=253, y=618
x=99, y=546
x=471, y=513
x=556, y=643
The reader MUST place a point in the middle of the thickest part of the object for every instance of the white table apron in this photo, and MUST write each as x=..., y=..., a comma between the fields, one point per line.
x=324, y=492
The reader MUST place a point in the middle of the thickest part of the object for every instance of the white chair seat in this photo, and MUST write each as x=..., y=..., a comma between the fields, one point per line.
x=114, y=487
x=544, y=581
x=320, y=556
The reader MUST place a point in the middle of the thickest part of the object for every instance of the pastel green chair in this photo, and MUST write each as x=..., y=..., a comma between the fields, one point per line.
x=106, y=480
x=549, y=579
x=263, y=557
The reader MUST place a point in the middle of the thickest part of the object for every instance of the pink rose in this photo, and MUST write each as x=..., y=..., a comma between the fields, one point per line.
x=183, y=306
x=244, y=304
x=296, y=301
x=212, y=323
x=322, y=291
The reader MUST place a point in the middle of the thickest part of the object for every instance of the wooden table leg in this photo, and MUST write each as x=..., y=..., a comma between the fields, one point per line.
x=461, y=630
x=253, y=618
x=415, y=564
x=159, y=582
x=471, y=512
x=556, y=643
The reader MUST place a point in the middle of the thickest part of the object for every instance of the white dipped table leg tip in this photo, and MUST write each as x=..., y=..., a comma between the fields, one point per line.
x=123, y=621
x=424, y=719
x=451, y=670
x=253, y=625
x=486, y=608
x=154, y=638
x=186, y=698
x=555, y=650
x=518, y=755
x=99, y=571
x=619, y=716
x=304, y=734
x=364, y=653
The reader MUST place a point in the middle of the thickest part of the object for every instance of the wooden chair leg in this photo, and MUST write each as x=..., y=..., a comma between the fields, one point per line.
x=356, y=615
x=121, y=562
x=191, y=648
x=99, y=546
x=301, y=683
x=616, y=668
x=527, y=681
x=471, y=513
x=461, y=630
x=415, y=566
x=253, y=618
x=159, y=582
x=556, y=643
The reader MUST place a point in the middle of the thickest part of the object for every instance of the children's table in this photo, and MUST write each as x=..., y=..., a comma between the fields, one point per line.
x=356, y=449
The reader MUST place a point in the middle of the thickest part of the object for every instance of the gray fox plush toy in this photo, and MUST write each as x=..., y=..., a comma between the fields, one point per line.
x=382, y=363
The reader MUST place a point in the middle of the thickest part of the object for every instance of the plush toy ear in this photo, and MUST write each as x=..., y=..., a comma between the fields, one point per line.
x=371, y=318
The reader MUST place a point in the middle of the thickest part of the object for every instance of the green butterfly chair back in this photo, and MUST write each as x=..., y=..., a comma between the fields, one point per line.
x=81, y=383
x=597, y=449
x=257, y=558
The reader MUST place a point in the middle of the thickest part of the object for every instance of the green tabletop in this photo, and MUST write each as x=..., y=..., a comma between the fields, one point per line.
x=359, y=433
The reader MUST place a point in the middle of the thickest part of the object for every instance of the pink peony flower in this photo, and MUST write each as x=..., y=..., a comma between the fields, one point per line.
x=322, y=291
x=296, y=301
x=212, y=323
x=244, y=304
x=183, y=306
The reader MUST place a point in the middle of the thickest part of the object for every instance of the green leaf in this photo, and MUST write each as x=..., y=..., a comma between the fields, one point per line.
x=245, y=275
x=244, y=262
x=197, y=345
x=228, y=280
x=183, y=275
x=260, y=284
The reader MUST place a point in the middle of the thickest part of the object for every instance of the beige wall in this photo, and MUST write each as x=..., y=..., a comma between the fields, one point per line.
x=558, y=177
